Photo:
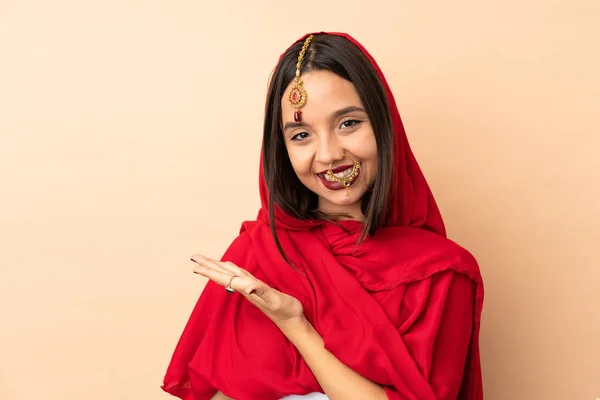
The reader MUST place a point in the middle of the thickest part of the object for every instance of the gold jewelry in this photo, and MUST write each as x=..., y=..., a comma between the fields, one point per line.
x=347, y=180
x=297, y=96
x=362, y=178
x=228, y=287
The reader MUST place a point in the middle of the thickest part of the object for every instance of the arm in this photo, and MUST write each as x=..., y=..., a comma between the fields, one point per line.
x=450, y=314
x=438, y=337
x=337, y=380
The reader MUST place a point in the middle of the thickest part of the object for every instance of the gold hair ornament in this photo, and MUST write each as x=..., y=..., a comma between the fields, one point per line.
x=297, y=96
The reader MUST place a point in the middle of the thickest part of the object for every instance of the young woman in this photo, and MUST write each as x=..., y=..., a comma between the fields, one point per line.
x=345, y=284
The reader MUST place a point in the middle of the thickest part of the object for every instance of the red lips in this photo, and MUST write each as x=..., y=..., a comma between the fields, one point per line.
x=336, y=185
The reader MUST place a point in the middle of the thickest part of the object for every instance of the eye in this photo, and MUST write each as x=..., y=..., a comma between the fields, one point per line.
x=349, y=123
x=299, y=136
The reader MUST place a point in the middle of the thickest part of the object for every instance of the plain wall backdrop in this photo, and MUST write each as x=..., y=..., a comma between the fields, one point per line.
x=129, y=139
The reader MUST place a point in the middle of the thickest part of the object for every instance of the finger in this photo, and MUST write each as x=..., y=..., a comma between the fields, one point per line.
x=222, y=273
x=207, y=262
x=234, y=269
x=215, y=276
x=222, y=277
x=252, y=290
x=263, y=296
x=244, y=285
x=260, y=290
x=257, y=301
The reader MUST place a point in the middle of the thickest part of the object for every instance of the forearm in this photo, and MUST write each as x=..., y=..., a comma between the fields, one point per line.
x=338, y=381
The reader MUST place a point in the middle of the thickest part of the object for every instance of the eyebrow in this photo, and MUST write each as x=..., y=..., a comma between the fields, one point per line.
x=337, y=114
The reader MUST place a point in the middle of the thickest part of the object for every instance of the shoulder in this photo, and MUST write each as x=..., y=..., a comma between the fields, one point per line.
x=455, y=265
x=240, y=251
x=423, y=244
x=425, y=253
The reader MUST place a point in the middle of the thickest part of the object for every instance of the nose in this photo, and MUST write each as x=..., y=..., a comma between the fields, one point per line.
x=329, y=149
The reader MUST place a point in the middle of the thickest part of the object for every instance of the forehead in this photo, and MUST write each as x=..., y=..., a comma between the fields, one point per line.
x=326, y=93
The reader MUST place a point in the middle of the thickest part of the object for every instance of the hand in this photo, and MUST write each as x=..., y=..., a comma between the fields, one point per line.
x=282, y=309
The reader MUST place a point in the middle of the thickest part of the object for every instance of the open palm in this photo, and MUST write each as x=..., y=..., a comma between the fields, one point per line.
x=281, y=308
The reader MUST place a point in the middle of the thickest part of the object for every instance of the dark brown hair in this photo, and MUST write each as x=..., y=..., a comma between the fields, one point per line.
x=340, y=56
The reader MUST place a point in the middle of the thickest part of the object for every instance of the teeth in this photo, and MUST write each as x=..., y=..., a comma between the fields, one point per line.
x=340, y=175
x=344, y=174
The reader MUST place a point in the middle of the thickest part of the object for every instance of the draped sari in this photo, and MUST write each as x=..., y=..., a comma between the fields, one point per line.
x=403, y=309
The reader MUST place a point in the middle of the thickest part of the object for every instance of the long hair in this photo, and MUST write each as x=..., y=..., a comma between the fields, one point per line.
x=343, y=58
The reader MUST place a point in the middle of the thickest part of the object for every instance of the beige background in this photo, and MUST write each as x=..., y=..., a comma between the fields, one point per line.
x=129, y=139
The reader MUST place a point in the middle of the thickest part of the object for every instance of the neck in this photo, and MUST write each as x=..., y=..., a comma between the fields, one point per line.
x=347, y=211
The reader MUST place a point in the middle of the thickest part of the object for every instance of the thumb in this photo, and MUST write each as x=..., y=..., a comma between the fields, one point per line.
x=259, y=289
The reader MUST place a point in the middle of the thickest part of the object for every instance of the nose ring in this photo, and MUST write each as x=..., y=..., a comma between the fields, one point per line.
x=347, y=180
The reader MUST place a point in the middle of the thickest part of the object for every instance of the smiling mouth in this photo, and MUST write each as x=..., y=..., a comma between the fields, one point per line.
x=344, y=173
x=341, y=172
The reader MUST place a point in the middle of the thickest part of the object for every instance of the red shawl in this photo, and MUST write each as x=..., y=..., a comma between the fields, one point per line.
x=403, y=309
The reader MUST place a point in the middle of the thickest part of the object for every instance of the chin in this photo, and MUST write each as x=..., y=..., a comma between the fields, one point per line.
x=340, y=198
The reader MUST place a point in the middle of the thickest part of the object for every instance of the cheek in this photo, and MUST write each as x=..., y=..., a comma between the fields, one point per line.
x=372, y=169
x=365, y=146
x=300, y=161
x=371, y=162
x=369, y=153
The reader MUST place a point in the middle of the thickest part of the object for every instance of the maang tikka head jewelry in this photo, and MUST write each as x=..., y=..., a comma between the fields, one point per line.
x=347, y=180
x=297, y=96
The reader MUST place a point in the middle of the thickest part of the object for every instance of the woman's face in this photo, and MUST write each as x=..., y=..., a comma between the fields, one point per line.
x=333, y=122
